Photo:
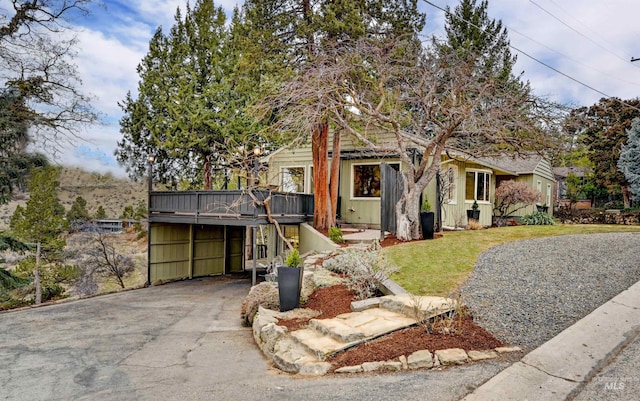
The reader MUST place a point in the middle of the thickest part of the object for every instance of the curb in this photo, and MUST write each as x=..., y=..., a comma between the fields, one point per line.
x=562, y=366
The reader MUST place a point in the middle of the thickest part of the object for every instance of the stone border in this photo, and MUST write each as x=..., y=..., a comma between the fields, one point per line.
x=424, y=359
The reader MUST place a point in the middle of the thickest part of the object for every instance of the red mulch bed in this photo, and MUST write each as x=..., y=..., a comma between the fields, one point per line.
x=335, y=300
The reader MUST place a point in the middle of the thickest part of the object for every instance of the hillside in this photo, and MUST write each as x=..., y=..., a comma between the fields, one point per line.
x=97, y=189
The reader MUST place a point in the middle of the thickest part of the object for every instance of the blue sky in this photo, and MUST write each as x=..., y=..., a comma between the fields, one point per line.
x=590, y=41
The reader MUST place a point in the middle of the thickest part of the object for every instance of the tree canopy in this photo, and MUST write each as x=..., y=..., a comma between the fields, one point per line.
x=189, y=114
x=37, y=50
x=602, y=128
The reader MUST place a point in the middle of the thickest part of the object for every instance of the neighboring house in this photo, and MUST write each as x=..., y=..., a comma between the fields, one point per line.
x=560, y=174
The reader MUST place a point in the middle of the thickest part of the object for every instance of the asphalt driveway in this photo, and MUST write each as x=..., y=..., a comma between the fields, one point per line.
x=180, y=341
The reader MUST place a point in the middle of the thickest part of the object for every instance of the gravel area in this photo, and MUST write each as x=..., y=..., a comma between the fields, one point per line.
x=526, y=292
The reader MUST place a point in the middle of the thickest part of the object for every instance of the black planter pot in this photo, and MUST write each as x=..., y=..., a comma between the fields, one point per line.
x=426, y=222
x=473, y=214
x=289, y=286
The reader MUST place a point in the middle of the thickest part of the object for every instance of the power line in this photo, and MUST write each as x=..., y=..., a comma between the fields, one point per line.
x=576, y=31
x=532, y=57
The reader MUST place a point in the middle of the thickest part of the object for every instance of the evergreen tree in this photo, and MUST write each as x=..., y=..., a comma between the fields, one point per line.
x=78, y=212
x=100, y=213
x=603, y=128
x=186, y=114
x=629, y=162
x=470, y=32
x=42, y=221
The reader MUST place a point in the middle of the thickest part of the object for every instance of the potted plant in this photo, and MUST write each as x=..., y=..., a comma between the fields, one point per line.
x=474, y=213
x=426, y=219
x=290, y=281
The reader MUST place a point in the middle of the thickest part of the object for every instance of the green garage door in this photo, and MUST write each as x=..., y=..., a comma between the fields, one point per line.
x=235, y=249
x=208, y=250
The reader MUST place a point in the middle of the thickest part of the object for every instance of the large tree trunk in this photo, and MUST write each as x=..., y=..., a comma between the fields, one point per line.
x=320, y=152
x=36, y=275
x=334, y=180
x=408, y=215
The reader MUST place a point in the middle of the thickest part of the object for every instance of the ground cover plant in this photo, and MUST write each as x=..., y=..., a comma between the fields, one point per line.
x=439, y=266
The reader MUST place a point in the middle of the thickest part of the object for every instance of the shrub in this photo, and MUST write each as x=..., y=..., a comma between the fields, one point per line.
x=538, y=219
x=364, y=269
x=512, y=196
x=335, y=235
x=293, y=259
x=265, y=294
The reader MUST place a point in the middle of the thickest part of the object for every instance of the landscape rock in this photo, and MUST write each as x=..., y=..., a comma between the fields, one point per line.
x=394, y=366
x=505, y=350
x=269, y=336
x=452, y=356
x=420, y=359
x=315, y=368
x=482, y=355
x=350, y=369
x=403, y=361
x=372, y=366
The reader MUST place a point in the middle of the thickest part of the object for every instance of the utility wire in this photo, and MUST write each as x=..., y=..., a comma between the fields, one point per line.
x=610, y=44
x=578, y=32
x=533, y=58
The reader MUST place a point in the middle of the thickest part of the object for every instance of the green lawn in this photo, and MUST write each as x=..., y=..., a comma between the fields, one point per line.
x=438, y=267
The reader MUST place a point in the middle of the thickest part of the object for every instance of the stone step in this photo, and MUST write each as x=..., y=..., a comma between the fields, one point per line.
x=291, y=357
x=337, y=329
x=418, y=307
x=319, y=345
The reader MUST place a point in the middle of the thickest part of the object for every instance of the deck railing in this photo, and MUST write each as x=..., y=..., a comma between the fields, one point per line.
x=234, y=204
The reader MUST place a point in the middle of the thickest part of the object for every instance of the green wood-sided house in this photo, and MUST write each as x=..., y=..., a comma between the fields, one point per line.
x=465, y=180
x=202, y=233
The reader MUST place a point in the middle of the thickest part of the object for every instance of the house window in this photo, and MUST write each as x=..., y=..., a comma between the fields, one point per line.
x=292, y=179
x=449, y=185
x=366, y=180
x=477, y=186
x=539, y=186
x=549, y=192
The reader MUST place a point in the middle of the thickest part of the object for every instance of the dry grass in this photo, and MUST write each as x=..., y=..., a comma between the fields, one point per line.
x=97, y=189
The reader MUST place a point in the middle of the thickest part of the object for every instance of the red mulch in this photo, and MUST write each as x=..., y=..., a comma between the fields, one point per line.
x=335, y=300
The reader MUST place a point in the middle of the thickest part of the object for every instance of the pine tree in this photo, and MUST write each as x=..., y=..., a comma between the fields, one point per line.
x=78, y=212
x=100, y=213
x=470, y=32
x=42, y=220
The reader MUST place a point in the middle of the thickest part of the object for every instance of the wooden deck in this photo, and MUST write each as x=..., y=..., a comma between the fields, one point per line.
x=231, y=208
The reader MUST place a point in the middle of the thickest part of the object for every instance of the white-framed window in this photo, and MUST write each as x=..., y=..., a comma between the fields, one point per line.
x=477, y=185
x=292, y=179
x=549, y=192
x=366, y=179
x=539, y=187
x=450, y=183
